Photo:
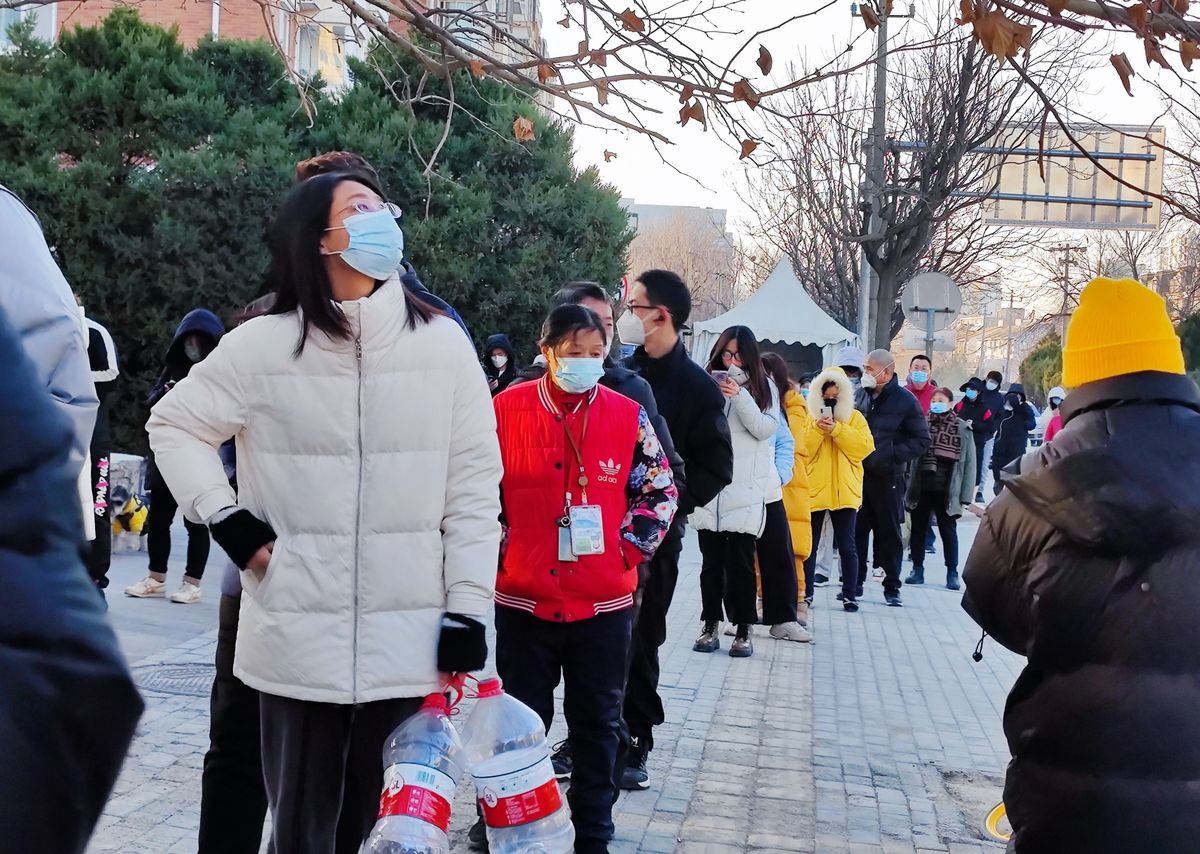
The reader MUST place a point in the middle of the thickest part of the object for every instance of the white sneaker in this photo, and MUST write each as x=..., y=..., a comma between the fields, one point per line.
x=187, y=594
x=791, y=632
x=146, y=588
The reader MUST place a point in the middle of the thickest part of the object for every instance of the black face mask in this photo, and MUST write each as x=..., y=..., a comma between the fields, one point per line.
x=830, y=402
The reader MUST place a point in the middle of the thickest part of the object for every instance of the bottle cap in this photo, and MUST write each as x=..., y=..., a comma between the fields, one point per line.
x=437, y=702
x=489, y=687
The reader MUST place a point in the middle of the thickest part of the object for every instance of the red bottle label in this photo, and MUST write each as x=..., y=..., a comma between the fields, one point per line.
x=521, y=797
x=417, y=791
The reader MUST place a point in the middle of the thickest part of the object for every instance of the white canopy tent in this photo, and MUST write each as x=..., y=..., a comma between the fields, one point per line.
x=780, y=311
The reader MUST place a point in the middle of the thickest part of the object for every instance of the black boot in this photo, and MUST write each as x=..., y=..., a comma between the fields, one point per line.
x=917, y=576
x=708, y=640
x=952, y=582
x=742, y=646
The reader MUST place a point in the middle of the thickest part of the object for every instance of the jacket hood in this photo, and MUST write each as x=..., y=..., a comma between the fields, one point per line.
x=200, y=321
x=845, y=404
x=1102, y=485
x=1058, y=391
x=975, y=383
x=1018, y=389
x=500, y=342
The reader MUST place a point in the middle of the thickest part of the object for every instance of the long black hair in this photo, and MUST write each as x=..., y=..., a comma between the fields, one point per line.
x=567, y=321
x=298, y=275
x=751, y=362
x=777, y=370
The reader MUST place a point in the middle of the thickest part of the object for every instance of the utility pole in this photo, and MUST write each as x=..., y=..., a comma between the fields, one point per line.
x=1063, y=312
x=1012, y=303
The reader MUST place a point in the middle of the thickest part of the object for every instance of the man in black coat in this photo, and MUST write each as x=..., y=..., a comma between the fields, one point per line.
x=68, y=706
x=658, y=306
x=901, y=436
x=976, y=411
x=1086, y=565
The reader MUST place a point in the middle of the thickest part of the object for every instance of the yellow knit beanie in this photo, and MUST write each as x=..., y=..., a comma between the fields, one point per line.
x=1120, y=327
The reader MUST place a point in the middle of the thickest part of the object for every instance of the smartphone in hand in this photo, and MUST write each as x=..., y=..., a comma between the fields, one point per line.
x=719, y=377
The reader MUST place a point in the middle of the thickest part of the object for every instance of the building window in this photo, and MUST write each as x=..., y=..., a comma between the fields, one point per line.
x=308, y=41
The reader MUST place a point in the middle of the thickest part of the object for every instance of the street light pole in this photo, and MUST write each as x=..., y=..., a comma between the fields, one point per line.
x=873, y=184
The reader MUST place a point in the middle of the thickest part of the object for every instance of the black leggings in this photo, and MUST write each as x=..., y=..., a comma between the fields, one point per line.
x=777, y=567
x=163, y=508
x=844, y=524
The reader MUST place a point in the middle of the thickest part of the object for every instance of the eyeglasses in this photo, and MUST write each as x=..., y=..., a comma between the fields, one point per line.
x=731, y=356
x=362, y=206
x=633, y=305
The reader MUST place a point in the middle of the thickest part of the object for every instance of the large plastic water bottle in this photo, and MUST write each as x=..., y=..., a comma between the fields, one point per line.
x=421, y=769
x=504, y=743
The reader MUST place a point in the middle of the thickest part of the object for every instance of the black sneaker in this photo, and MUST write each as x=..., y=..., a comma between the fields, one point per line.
x=563, y=760
x=979, y=497
x=893, y=600
x=635, y=777
x=841, y=597
x=477, y=836
x=820, y=580
x=850, y=605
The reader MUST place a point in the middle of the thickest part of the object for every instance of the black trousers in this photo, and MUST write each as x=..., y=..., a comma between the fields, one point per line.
x=643, y=709
x=882, y=514
x=844, y=538
x=933, y=504
x=980, y=443
x=233, y=800
x=163, y=508
x=323, y=767
x=727, y=578
x=99, y=557
x=777, y=567
x=588, y=656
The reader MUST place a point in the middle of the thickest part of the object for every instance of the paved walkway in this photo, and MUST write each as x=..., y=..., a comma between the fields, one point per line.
x=881, y=736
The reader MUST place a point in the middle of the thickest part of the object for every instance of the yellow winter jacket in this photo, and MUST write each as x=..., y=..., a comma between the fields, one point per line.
x=795, y=492
x=835, y=460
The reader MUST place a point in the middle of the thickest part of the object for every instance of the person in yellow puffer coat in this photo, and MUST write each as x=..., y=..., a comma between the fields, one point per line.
x=796, y=498
x=837, y=439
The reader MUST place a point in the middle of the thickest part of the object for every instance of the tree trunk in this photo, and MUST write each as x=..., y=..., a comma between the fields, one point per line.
x=882, y=311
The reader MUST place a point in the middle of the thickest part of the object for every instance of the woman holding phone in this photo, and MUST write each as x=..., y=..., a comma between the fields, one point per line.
x=731, y=523
x=836, y=440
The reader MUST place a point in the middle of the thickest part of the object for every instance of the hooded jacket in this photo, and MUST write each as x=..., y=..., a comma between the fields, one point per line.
x=68, y=705
x=982, y=420
x=502, y=378
x=1086, y=565
x=1012, y=432
x=375, y=461
x=741, y=507
x=796, y=499
x=835, y=460
x=177, y=365
x=900, y=431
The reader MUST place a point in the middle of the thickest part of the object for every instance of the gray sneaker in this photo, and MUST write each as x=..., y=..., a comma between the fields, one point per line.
x=791, y=632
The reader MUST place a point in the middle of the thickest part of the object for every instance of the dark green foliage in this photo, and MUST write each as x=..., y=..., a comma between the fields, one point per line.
x=1189, y=334
x=156, y=170
x=1042, y=369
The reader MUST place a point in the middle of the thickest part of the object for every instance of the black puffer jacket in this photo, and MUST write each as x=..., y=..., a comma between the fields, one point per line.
x=1088, y=565
x=499, y=379
x=900, y=431
x=1012, y=436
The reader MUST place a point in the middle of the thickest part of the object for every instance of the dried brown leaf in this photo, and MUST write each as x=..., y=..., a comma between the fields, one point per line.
x=765, y=60
x=1057, y=7
x=1000, y=36
x=743, y=91
x=869, y=17
x=1154, y=54
x=565, y=23
x=1139, y=17
x=887, y=8
x=1180, y=6
x=1121, y=63
x=692, y=111
x=1189, y=52
x=633, y=22
x=523, y=129
x=609, y=156
x=584, y=48
x=477, y=68
x=967, y=8
x=686, y=95
x=748, y=146
x=546, y=72
x=598, y=58
x=602, y=92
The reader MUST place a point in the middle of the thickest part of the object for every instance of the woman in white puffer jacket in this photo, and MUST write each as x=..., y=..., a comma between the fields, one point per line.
x=366, y=517
x=730, y=524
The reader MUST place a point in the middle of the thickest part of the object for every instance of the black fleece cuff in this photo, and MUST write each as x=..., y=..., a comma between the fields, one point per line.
x=241, y=535
x=462, y=645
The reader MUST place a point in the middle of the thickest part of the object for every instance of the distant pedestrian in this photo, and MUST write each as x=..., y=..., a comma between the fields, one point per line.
x=837, y=439
x=366, y=513
x=1051, y=420
x=731, y=524
x=992, y=399
x=797, y=498
x=920, y=383
x=68, y=705
x=775, y=551
x=1086, y=565
x=974, y=409
x=576, y=532
x=499, y=363
x=851, y=361
x=942, y=482
x=196, y=337
x=102, y=354
x=1012, y=435
x=901, y=436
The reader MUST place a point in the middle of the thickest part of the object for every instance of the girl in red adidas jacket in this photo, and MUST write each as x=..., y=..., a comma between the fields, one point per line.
x=587, y=496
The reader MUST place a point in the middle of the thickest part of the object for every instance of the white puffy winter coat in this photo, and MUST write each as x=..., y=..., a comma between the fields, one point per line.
x=375, y=461
x=740, y=508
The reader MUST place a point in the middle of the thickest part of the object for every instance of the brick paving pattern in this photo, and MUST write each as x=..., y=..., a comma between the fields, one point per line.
x=882, y=736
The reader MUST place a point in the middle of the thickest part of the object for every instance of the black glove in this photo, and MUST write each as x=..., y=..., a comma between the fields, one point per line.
x=462, y=645
x=241, y=535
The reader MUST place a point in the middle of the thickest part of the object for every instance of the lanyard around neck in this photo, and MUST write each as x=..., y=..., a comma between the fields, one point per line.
x=577, y=447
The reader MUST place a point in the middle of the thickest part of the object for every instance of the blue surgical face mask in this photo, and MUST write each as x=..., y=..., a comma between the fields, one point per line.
x=993, y=385
x=804, y=393
x=578, y=375
x=971, y=394
x=919, y=376
x=376, y=245
x=939, y=407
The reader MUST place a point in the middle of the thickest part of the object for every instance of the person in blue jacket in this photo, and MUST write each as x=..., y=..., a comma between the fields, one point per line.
x=68, y=705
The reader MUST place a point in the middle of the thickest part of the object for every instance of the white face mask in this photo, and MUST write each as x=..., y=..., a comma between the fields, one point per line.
x=631, y=329
x=193, y=350
x=499, y=362
x=992, y=386
x=868, y=381
x=738, y=374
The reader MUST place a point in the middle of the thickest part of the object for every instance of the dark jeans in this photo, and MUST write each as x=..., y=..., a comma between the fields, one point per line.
x=99, y=556
x=777, y=567
x=997, y=484
x=843, y=538
x=163, y=507
x=980, y=443
x=643, y=707
x=233, y=800
x=934, y=504
x=882, y=514
x=727, y=578
x=532, y=656
x=323, y=767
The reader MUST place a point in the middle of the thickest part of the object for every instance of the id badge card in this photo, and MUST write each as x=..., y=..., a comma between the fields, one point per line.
x=564, y=544
x=587, y=530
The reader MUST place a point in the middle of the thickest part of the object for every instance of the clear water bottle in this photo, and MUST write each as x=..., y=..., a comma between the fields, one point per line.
x=421, y=764
x=504, y=743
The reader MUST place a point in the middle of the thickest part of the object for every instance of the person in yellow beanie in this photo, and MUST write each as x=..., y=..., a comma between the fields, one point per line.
x=1086, y=565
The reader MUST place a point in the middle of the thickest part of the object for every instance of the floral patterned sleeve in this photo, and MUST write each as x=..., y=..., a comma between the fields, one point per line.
x=653, y=496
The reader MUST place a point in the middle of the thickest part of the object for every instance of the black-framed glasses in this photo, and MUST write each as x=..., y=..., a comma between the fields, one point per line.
x=633, y=305
x=731, y=356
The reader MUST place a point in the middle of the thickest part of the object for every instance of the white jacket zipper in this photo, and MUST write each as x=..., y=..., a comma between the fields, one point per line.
x=358, y=509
